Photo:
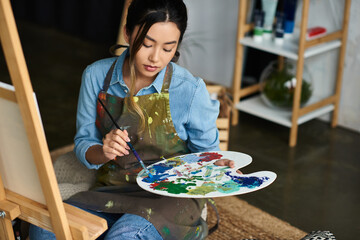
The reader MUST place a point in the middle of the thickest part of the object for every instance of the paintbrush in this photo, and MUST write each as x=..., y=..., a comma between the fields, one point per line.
x=128, y=143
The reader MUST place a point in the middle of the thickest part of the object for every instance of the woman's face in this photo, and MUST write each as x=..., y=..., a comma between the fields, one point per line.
x=157, y=50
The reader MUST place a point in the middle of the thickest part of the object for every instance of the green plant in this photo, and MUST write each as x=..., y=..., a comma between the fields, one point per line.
x=279, y=87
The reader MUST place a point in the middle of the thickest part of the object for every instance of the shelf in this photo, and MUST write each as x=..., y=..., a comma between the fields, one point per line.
x=290, y=47
x=255, y=106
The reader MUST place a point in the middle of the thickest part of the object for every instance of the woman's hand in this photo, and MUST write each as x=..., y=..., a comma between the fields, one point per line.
x=114, y=144
x=226, y=162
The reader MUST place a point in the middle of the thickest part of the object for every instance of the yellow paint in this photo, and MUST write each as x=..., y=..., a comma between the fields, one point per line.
x=149, y=212
x=156, y=113
x=150, y=120
x=136, y=99
x=109, y=204
x=127, y=178
x=197, y=231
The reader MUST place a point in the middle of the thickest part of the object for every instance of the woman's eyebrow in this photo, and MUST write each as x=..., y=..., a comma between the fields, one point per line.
x=151, y=39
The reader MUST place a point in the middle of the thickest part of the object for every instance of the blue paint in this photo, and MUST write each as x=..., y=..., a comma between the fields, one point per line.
x=196, y=172
x=249, y=182
x=228, y=187
x=190, y=159
x=161, y=168
x=209, y=170
x=138, y=158
x=158, y=171
x=157, y=178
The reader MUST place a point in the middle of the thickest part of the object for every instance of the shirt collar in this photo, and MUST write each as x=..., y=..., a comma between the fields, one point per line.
x=118, y=73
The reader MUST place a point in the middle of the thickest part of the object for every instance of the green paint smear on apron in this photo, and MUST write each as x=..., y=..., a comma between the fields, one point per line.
x=193, y=235
x=165, y=230
x=174, y=188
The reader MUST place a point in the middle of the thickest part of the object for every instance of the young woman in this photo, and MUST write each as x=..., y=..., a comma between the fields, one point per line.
x=162, y=110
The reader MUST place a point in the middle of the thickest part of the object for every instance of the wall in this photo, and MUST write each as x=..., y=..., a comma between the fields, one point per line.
x=208, y=49
x=208, y=46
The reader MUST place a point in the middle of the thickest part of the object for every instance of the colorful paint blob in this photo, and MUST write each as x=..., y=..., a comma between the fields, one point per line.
x=197, y=176
x=249, y=182
x=172, y=187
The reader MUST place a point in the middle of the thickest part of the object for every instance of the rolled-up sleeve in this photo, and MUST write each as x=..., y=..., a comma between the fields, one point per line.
x=203, y=134
x=87, y=134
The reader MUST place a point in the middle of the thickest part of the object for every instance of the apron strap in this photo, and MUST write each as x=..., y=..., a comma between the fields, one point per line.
x=167, y=78
x=108, y=77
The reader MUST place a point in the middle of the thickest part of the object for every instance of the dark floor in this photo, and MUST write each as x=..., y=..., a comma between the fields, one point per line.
x=318, y=181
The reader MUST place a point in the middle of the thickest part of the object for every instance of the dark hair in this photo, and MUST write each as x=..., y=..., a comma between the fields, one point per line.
x=145, y=13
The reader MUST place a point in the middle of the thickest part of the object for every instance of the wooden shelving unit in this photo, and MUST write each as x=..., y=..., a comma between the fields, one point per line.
x=298, y=51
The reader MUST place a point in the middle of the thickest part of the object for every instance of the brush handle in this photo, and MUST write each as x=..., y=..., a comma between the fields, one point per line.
x=128, y=143
x=138, y=158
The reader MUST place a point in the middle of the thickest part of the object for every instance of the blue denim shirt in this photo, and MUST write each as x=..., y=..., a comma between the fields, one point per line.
x=194, y=114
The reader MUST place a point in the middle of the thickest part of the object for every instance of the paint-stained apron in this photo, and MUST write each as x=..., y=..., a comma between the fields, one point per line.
x=116, y=190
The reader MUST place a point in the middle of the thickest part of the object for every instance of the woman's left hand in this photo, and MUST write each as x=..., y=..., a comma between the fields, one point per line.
x=227, y=162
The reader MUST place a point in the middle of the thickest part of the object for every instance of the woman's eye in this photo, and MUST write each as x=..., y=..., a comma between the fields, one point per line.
x=167, y=50
x=147, y=46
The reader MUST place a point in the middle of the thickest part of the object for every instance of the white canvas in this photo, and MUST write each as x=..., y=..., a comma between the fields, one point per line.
x=17, y=167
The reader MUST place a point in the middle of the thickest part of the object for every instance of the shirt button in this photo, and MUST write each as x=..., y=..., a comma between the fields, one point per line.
x=125, y=91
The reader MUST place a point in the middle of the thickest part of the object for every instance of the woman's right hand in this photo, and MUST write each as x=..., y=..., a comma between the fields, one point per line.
x=114, y=144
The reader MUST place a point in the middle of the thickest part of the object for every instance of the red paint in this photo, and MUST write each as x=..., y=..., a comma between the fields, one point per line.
x=153, y=185
x=208, y=156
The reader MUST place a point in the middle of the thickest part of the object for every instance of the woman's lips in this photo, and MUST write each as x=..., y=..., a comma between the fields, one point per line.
x=150, y=68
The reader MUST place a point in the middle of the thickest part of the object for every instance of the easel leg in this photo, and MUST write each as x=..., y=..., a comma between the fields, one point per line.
x=6, y=229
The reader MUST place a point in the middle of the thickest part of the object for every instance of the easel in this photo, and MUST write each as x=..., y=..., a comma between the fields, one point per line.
x=67, y=222
x=120, y=38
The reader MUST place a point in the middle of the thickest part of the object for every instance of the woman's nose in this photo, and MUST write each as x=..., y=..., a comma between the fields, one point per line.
x=154, y=55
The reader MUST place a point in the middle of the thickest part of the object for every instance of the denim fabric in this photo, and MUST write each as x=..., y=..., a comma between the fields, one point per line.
x=193, y=113
x=127, y=227
x=132, y=226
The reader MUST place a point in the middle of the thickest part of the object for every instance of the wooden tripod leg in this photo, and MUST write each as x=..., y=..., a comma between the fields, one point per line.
x=120, y=37
x=20, y=78
x=6, y=229
x=8, y=212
